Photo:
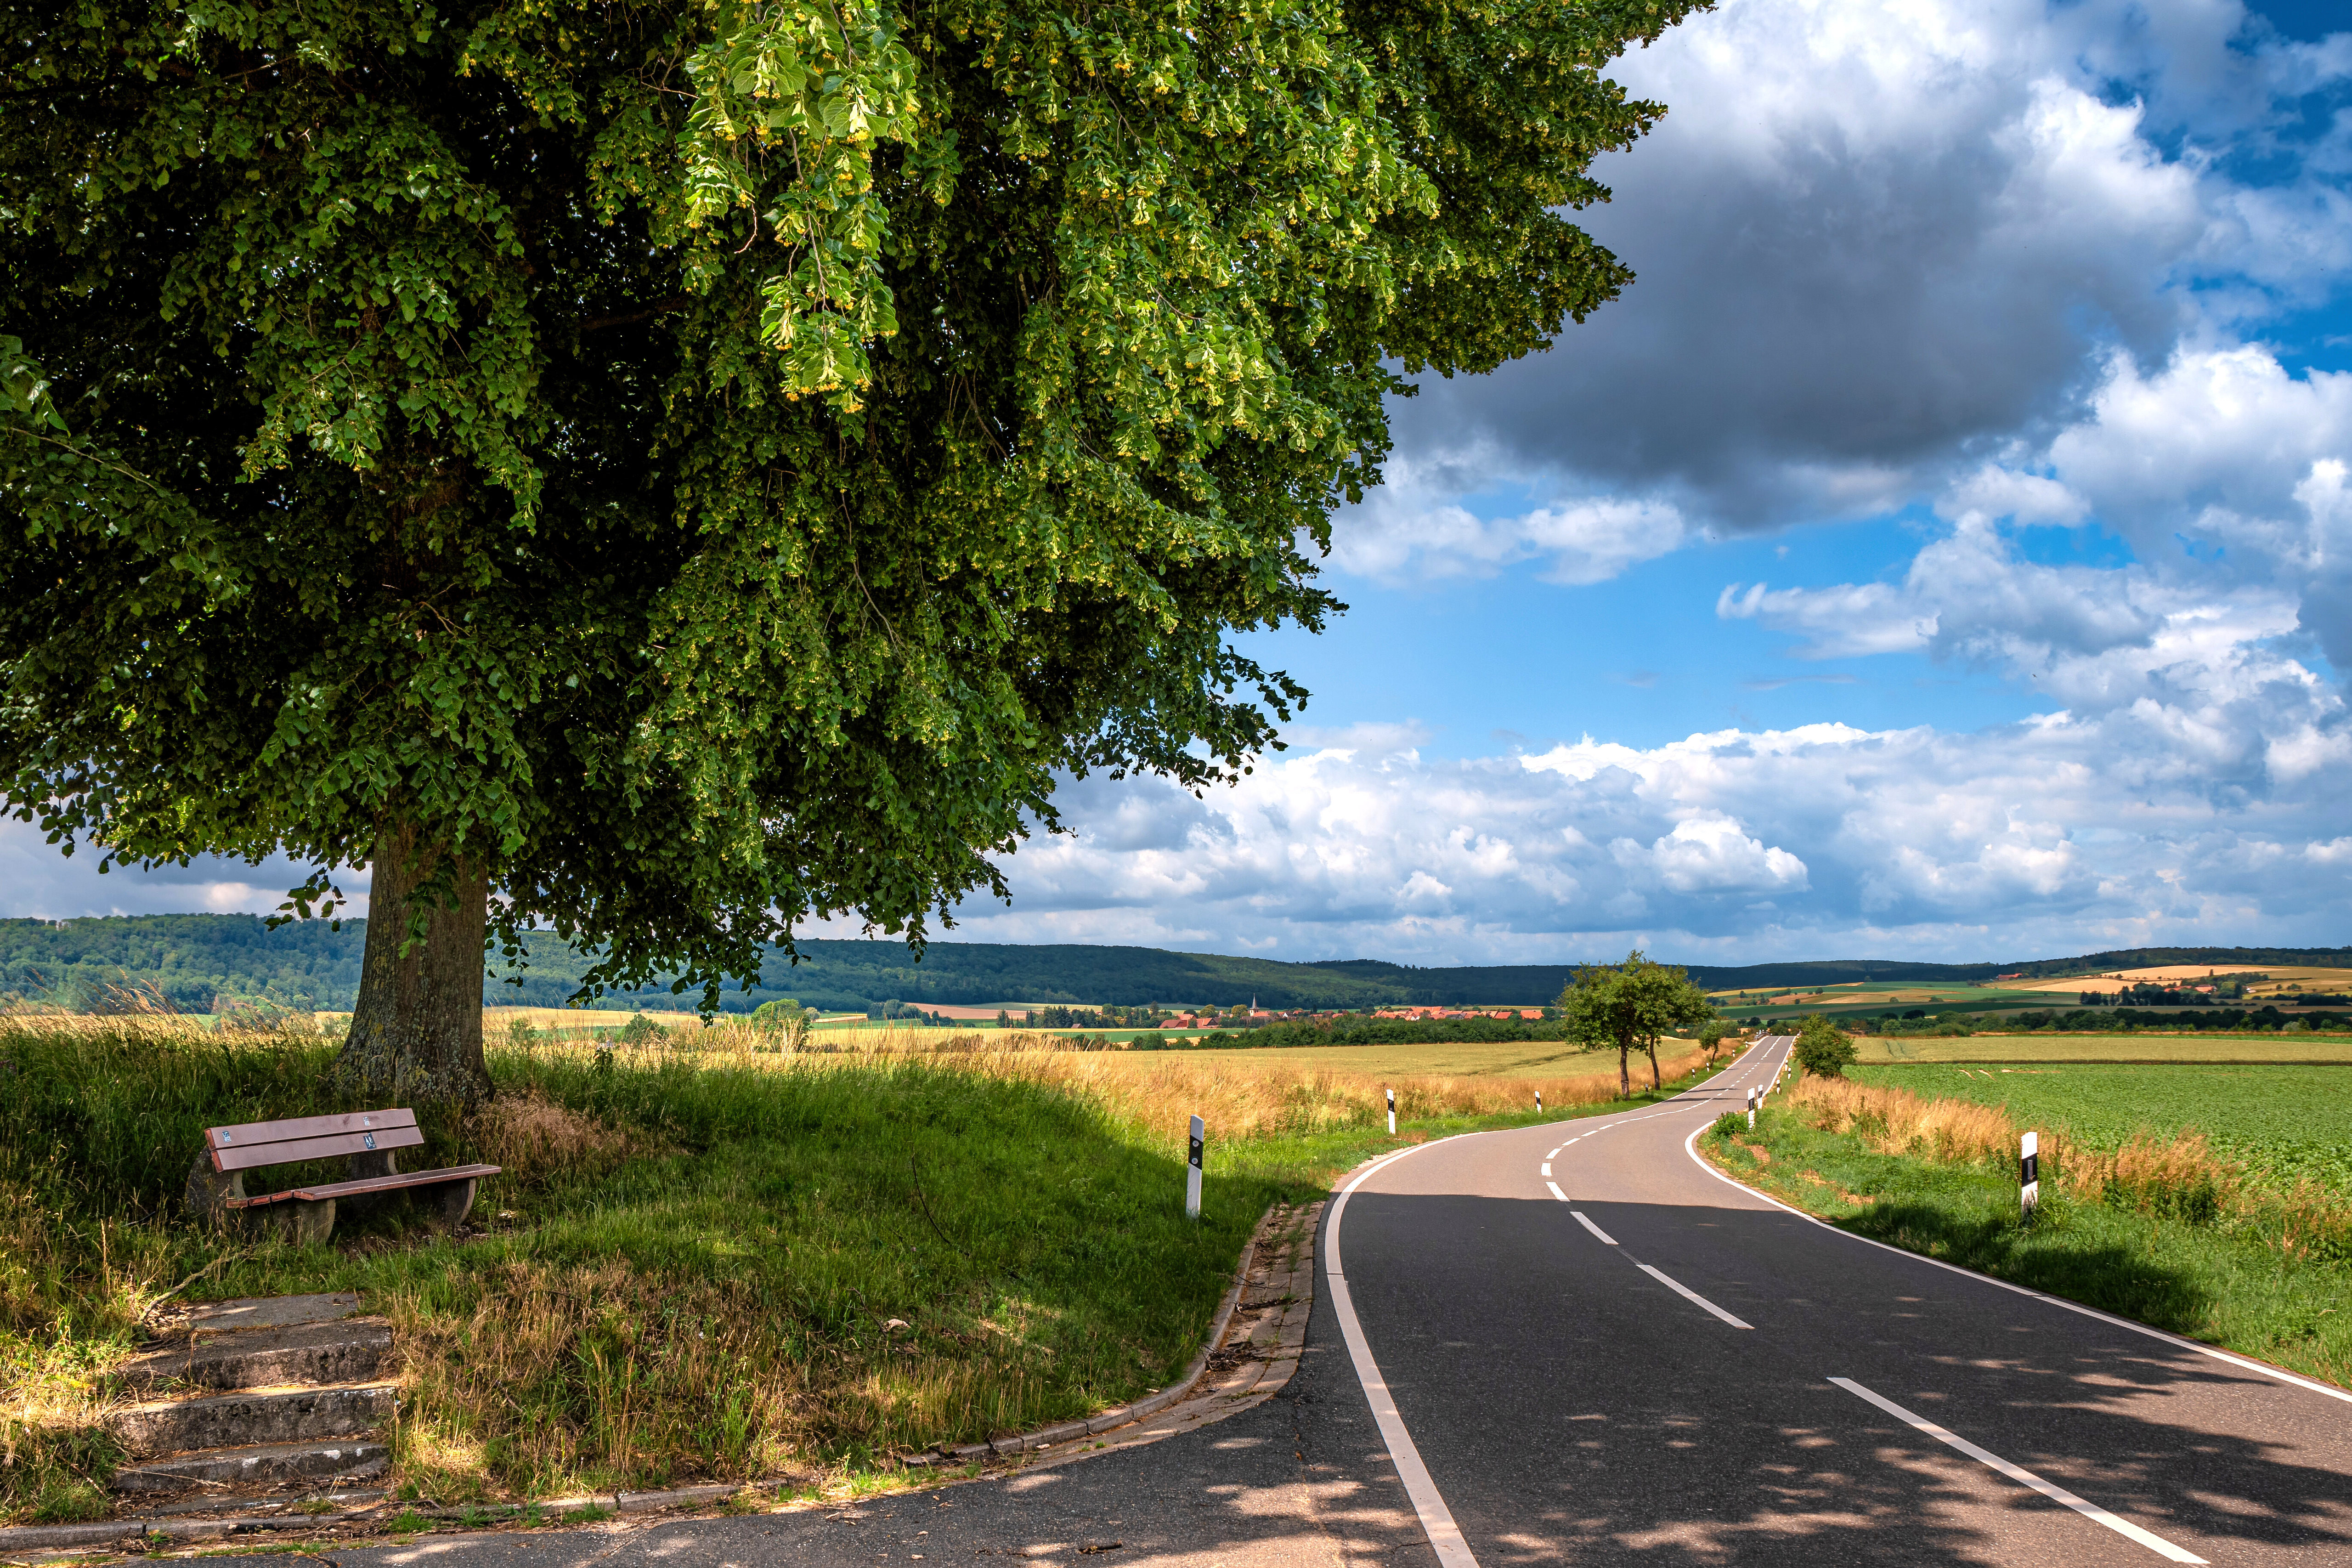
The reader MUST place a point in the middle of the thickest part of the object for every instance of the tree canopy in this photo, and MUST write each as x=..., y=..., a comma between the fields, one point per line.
x=666, y=473
x=1632, y=1005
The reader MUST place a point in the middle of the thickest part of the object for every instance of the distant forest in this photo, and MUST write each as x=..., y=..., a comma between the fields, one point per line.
x=193, y=962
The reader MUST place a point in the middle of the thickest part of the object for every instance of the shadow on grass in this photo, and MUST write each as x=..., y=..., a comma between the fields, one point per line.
x=2050, y=1256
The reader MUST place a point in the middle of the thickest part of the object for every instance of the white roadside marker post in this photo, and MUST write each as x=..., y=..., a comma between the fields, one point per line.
x=2029, y=1177
x=1539, y=1102
x=1193, y=1174
x=1752, y=1093
x=1393, y=1113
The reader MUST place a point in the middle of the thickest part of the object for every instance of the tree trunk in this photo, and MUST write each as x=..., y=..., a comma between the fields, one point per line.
x=1624, y=1079
x=416, y=1030
x=1657, y=1084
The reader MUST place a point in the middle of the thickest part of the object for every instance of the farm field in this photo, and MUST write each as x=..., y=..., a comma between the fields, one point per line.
x=2139, y=1046
x=1862, y=995
x=2278, y=978
x=2284, y=1122
x=1521, y=1058
x=499, y=1020
x=850, y=1031
x=496, y=1021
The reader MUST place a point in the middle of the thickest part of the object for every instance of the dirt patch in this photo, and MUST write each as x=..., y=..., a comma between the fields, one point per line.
x=1820, y=1181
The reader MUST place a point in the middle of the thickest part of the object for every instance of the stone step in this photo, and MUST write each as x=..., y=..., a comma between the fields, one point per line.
x=254, y=1416
x=351, y=1351
x=270, y=1311
x=256, y=1466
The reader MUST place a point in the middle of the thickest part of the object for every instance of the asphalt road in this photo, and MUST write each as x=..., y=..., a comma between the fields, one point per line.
x=1639, y=1366
x=1570, y=1404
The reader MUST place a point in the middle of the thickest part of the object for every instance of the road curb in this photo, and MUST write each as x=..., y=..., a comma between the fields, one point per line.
x=55, y=1537
x=1269, y=1226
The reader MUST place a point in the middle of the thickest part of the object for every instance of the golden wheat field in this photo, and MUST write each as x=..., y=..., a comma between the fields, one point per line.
x=1239, y=1093
x=2277, y=978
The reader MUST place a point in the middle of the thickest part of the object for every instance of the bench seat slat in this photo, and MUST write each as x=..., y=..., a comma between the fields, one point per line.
x=288, y=1151
x=367, y=1184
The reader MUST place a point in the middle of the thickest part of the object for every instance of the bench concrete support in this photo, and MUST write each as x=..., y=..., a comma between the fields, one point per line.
x=452, y=1202
x=447, y=1204
x=209, y=1191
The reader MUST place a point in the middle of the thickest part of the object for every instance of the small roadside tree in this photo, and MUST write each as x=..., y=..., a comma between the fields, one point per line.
x=1710, y=1038
x=1821, y=1050
x=1629, y=1006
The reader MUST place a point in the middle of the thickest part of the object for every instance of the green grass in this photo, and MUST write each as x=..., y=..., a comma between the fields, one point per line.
x=2224, y=1284
x=689, y=1270
x=2139, y=1046
x=2283, y=1123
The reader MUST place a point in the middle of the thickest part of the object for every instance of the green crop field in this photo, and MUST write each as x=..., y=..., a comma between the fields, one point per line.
x=2138, y=1046
x=2283, y=1121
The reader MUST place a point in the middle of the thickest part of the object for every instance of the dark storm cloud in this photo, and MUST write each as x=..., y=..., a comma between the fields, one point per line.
x=1873, y=245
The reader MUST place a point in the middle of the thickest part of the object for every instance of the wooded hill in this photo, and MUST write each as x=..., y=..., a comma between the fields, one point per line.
x=191, y=960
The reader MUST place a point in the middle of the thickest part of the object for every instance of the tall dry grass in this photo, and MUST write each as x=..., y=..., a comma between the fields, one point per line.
x=1269, y=1093
x=2177, y=1175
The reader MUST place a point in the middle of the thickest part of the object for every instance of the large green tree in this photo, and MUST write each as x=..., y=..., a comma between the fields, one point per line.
x=1630, y=1006
x=665, y=472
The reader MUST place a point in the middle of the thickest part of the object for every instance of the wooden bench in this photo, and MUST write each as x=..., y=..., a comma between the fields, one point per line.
x=217, y=1184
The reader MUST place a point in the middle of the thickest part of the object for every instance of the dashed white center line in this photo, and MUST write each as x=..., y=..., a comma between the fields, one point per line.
x=2092, y=1511
x=1547, y=1170
x=1606, y=1238
x=1556, y=1192
x=1679, y=1289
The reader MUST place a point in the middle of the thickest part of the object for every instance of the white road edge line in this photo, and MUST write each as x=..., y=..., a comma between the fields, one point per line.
x=2278, y=1375
x=1599, y=1235
x=1679, y=1289
x=2090, y=1511
x=1436, y=1518
x=1556, y=1192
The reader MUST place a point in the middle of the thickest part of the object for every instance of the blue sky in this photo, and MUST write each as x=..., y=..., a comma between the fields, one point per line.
x=1943, y=549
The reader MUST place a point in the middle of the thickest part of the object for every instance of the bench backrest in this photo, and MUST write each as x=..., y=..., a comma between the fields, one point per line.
x=258, y=1144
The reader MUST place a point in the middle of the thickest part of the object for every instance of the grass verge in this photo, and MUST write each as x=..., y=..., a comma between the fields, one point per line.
x=2163, y=1234
x=716, y=1264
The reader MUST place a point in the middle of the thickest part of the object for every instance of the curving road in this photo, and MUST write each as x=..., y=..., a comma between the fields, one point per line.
x=1626, y=1358
x=1596, y=1348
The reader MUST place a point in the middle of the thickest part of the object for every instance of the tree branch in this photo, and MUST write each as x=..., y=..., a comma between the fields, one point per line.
x=658, y=308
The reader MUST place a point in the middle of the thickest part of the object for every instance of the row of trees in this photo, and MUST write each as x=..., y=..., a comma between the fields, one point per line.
x=1632, y=1005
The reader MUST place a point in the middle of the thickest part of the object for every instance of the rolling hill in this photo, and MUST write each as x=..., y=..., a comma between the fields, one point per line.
x=193, y=959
